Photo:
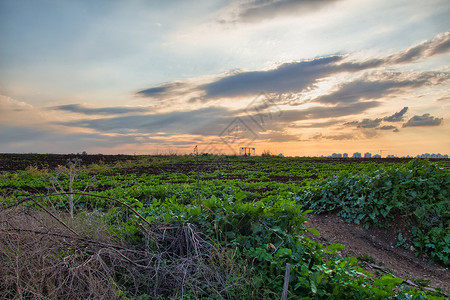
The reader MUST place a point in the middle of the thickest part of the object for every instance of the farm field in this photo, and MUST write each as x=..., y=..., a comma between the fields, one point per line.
x=223, y=227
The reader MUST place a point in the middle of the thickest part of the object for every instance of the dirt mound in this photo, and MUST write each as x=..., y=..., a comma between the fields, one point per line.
x=376, y=248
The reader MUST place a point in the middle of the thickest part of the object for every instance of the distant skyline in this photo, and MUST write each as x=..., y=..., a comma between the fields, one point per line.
x=298, y=77
x=384, y=155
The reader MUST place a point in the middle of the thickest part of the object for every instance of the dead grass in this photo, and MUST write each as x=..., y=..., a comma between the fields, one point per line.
x=46, y=255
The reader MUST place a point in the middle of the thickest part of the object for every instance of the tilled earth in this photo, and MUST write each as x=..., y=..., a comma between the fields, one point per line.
x=13, y=162
x=376, y=248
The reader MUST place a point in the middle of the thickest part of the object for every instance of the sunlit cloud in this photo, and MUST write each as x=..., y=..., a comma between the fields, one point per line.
x=287, y=78
x=423, y=120
x=377, y=123
x=396, y=117
x=163, y=90
x=278, y=137
x=257, y=11
x=366, y=123
x=314, y=124
x=86, y=110
x=177, y=122
x=296, y=77
x=439, y=45
x=388, y=127
x=337, y=137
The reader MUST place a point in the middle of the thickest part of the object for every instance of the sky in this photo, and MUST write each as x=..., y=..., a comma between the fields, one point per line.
x=298, y=77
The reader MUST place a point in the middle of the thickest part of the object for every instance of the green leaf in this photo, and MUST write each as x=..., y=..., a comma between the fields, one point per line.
x=335, y=247
x=313, y=287
x=239, y=196
x=429, y=245
x=313, y=231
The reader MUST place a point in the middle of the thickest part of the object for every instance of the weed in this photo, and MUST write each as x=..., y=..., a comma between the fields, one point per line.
x=366, y=258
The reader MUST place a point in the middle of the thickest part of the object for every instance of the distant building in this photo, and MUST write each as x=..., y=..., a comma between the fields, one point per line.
x=356, y=155
x=369, y=155
x=281, y=155
x=433, y=155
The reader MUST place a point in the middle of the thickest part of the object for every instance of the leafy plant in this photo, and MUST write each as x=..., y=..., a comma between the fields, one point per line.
x=250, y=221
x=418, y=190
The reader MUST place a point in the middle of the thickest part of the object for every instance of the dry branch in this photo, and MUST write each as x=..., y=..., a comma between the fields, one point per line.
x=42, y=257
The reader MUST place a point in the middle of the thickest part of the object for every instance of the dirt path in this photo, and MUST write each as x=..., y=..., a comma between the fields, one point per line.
x=377, y=248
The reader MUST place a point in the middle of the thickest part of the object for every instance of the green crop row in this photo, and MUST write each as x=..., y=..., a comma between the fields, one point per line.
x=265, y=236
x=253, y=211
x=417, y=193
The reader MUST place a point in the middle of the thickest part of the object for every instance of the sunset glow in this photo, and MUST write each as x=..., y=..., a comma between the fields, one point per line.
x=302, y=78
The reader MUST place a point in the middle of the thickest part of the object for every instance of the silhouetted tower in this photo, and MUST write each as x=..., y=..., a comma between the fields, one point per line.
x=247, y=151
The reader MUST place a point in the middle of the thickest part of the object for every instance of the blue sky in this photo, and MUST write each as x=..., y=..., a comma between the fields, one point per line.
x=304, y=77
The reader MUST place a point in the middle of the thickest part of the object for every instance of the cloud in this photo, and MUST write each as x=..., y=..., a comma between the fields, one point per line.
x=388, y=127
x=336, y=137
x=323, y=112
x=445, y=98
x=213, y=121
x=439, y=45
x=363, y=89
x=27, y=139
x=424, y=120
x=315, y=124
x=375, y=123
x=19, y=113
x=174, y=122
x=369, y=133
x=8, y=104
x=397, y=117
x=11, y=134
x=295, y=77
x=366, y=123
x=162, y=90
x=287, y=78
x=82, y=109
x=278, y=136
x=259, y=10
x=355, y=66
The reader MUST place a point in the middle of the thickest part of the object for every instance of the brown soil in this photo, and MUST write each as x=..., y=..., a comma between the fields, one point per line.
x=13, y=162
x=376, y=248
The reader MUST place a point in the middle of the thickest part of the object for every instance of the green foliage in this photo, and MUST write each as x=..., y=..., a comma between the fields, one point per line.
x=253, y=212
x=418, y=191
x=265, y=235
x=401, y=239
x=366, y=258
